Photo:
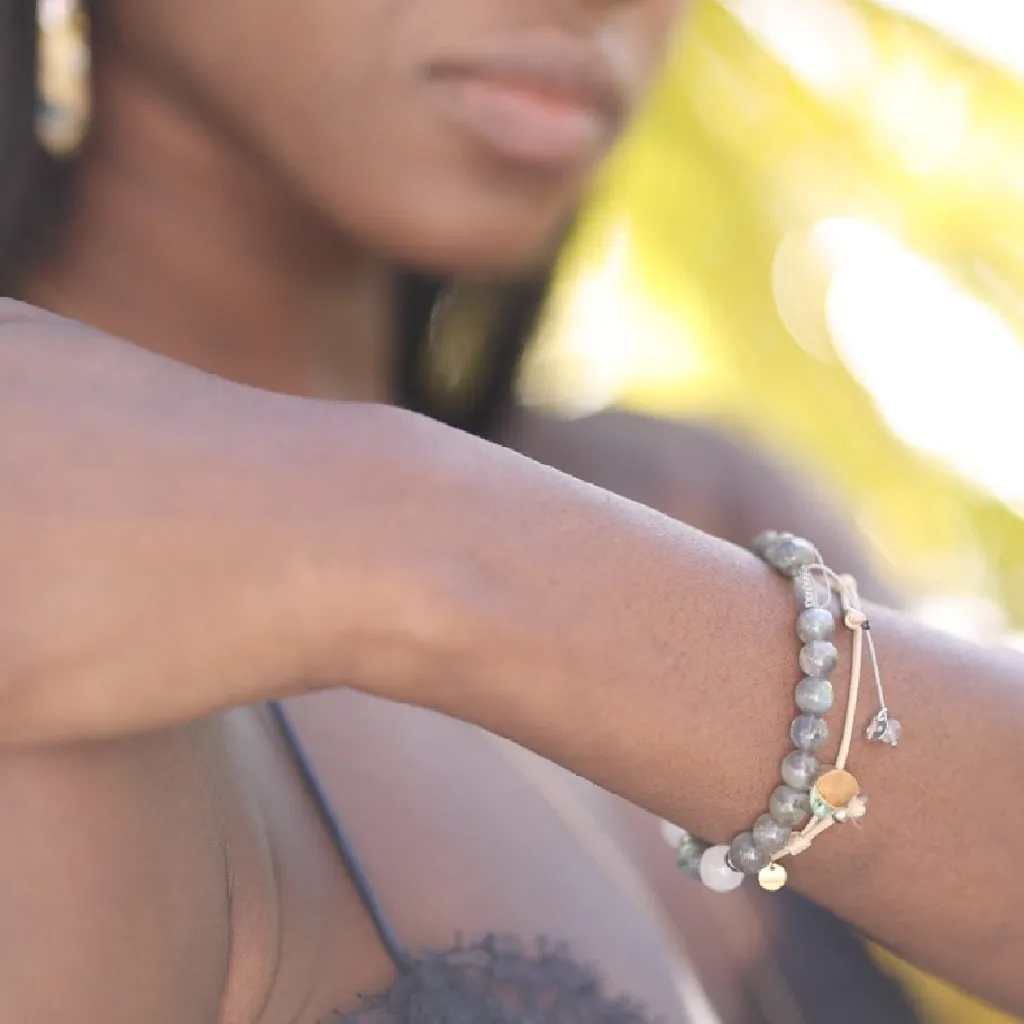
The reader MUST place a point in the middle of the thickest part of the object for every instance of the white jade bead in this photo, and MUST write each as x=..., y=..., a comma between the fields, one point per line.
x=673, y=834
x=715, y=872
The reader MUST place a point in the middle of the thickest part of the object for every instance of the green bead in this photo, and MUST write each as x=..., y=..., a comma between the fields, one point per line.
x=688, y=856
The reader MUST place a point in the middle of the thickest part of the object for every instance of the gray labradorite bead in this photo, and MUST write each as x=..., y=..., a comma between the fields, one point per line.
x=789, y=806
x=808, y=732
x=790, y=554
x=818, y=658
x=745, y=855
x=688, y=856
x=815, y=696
x=815, y=624
x=769, y=835
x=800, y=770
x=764, y=540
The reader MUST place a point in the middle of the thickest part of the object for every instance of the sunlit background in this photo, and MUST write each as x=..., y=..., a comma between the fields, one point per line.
x=816, y=238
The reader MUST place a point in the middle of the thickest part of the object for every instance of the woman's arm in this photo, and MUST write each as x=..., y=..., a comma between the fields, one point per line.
x=660, y=663
x=753, y=945
x=171, y=544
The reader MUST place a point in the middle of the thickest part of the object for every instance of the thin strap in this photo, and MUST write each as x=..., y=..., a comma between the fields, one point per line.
x=401, y=957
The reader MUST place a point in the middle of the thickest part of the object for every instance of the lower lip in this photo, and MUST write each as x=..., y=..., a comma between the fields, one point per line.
x=526, y=127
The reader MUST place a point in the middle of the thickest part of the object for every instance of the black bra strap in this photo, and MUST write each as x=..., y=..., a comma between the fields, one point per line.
x=346, y=851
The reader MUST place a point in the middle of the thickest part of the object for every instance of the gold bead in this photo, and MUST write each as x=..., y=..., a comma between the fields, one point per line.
x=832, y=791
x=773, y=878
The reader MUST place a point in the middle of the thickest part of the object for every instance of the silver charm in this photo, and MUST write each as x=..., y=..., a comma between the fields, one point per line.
x=883, y=729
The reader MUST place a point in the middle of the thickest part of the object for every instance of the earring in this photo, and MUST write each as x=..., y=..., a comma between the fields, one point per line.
x=64, y=101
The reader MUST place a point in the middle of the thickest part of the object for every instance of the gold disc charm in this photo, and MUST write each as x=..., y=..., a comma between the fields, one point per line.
x=773, y=877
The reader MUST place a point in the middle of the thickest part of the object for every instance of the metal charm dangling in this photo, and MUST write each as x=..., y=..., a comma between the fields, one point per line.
x=883, y=729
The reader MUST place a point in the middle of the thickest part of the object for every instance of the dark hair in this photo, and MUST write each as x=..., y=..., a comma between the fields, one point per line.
x=28, y=179
x=483, y=396
x=34, y=193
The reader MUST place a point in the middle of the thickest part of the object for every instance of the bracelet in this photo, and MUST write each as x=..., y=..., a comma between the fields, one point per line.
x=835, y=797
x=826, y=797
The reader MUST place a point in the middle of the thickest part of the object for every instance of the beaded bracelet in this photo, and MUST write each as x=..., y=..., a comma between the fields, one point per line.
x=832, y=796
x=836, y=796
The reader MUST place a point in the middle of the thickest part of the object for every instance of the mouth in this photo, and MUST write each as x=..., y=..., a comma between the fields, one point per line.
x=549, y=101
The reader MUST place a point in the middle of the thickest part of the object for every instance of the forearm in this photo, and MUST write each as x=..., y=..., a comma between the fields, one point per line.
x=166, y=539
x=660, y=664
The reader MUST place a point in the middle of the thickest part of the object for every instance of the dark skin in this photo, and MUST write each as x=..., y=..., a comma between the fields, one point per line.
x=174, y=546
x=391, y=798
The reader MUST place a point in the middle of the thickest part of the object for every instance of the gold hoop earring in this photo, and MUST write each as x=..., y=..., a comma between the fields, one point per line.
x=64, y=100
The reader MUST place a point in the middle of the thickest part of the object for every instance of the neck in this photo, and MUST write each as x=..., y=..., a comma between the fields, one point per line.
x=180, y=242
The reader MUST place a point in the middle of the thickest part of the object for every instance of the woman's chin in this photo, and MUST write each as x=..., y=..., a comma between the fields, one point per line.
x=486, y=238
x=485, y=252
x=477, y=261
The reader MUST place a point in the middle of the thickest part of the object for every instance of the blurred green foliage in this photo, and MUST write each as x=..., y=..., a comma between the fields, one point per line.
x=740, y=153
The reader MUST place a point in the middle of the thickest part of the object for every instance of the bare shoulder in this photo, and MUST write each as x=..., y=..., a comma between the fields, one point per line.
x=703, y=475
x=669, y=465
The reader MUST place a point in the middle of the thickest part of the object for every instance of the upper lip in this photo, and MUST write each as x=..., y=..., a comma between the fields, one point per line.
x=555, y=63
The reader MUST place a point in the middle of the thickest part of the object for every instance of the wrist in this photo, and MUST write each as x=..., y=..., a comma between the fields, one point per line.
x=435, y=571
x=377, y=588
